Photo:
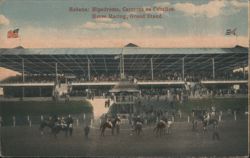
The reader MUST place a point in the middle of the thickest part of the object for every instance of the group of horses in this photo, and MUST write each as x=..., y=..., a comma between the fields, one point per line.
x=207, y=119
x=137, y=126
x=57, y=124
x=164, y=126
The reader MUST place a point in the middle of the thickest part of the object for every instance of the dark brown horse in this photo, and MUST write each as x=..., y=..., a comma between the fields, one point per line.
x=56, y=126
x=116, y=125
x=107, y=124
x=46, y=123
x=160, y=127
x=212, y=121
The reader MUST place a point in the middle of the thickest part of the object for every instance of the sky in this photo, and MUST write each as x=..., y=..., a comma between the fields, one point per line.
x=191, y=23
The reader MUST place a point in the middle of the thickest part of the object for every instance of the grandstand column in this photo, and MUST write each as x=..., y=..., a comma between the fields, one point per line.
x=56, y=73
x=122, y=66
x=123, y=74
x=88, y=69
x=213, y=68
x=152, y=69
x=244, y=72
x=183, y=68
x=40, y=91
x=23, y=77
x=23, y=70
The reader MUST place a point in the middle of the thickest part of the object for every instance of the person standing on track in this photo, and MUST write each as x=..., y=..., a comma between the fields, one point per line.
x=69, y=122
x=86, y=131
x=215, y=135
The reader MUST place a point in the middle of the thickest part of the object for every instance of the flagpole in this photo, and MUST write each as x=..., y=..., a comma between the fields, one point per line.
x=236, y=38
x=20, y=42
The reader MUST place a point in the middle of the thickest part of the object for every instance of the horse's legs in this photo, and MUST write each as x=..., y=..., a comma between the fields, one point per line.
x=66, y=132
x=102, y=131
x=70, y=131
x=41, y=131
x=204, y=129
x=118, y=130
x=112, y=130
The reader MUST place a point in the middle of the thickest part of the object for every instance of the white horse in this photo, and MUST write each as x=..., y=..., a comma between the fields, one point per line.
x=169, y=126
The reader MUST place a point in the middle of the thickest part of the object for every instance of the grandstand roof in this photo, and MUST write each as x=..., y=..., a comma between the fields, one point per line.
x=136, y=59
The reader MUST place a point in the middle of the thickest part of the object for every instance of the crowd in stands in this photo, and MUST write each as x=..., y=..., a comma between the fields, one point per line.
x=158, y=76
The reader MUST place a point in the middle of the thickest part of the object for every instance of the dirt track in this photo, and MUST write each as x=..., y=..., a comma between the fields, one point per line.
x=26, y=141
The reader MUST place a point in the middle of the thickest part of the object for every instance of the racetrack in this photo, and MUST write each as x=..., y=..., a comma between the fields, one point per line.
x=27, y=141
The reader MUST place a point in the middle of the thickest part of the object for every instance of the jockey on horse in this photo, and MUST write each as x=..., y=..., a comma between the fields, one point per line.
x=116, y=125
x=112, y=123
x=106, y=124
x=160, y=127
x=208, y=120
x=56, y=124
x=138, y=122
x=69, y=122
x=47, y=122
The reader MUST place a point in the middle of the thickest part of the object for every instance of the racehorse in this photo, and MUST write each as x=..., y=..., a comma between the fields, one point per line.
x=69, y=122
x=107, y=124
x=208, y=122
x=56, y=126
x=138, y=128
x=116, y=125
x=46, y=123
x=160, y=127
x=169, y=127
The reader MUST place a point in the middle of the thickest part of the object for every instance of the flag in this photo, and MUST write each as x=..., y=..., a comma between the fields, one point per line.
x=13, y=33
x=231, y=32
x=117, y=57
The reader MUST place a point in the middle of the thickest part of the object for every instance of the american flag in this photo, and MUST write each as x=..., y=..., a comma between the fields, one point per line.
x=231, y=32
x=13, y=33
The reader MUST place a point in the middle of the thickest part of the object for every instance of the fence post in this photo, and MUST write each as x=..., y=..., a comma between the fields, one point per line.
x=30, y=123
x=235, y=117
x=188, y=119
x=1, y=121
x=77, y=122
x=173, y=118
x=14, y=121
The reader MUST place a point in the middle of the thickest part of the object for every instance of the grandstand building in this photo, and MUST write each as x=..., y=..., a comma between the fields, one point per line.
x=89, y=72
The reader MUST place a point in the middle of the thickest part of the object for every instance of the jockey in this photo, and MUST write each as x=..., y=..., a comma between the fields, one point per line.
x=118, y=120
x=109, y=122
x=69, y=120
x=162, y=121
x=138, y=119
x=208, y=116
x=62, y=121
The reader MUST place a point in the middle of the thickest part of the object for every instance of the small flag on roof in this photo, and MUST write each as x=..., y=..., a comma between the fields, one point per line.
x=13, y=33
x=117, y=57
x=231, y=32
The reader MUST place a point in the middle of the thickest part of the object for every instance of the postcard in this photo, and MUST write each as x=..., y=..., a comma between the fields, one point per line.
x=124, y=78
